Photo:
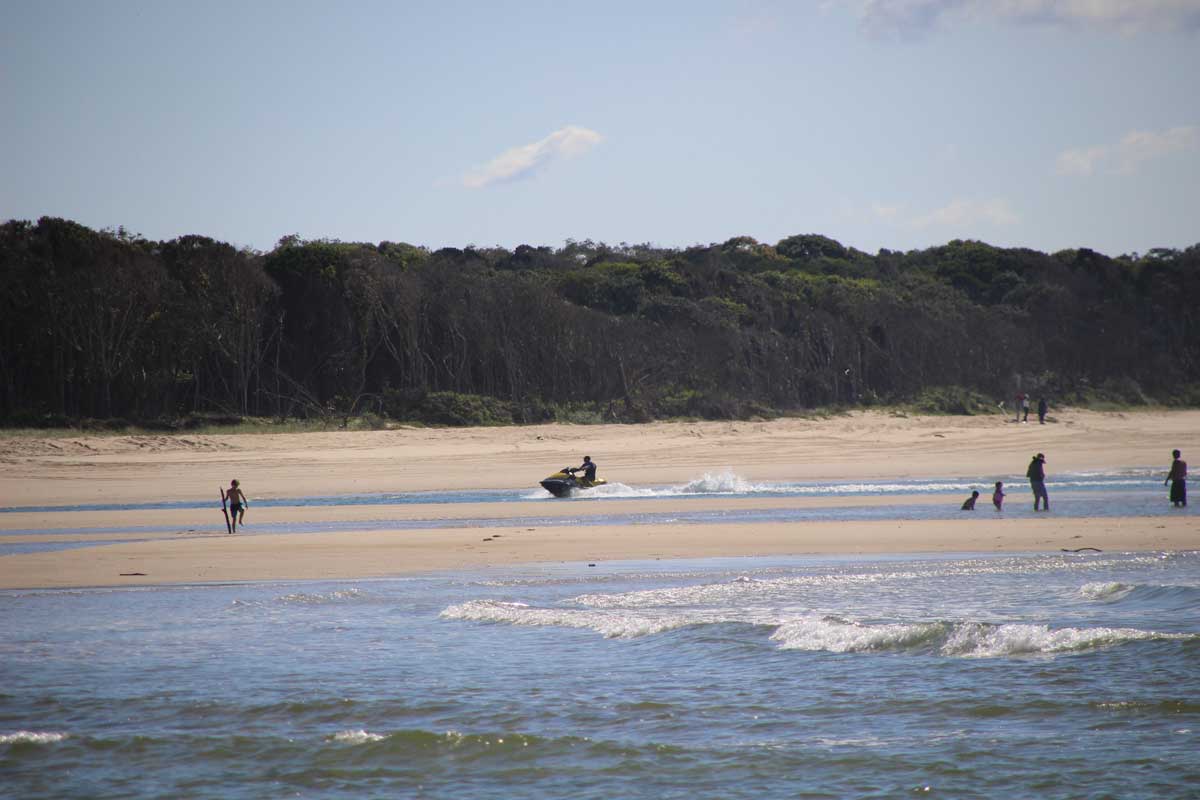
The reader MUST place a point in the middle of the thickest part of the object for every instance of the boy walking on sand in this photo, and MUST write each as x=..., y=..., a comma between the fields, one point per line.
x=237, y=504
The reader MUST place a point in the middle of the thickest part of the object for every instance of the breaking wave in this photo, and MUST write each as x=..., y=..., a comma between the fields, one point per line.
x=840, y=636
x=822, y=633
x=958, y=639
x=610, y=624
x=338, y=596
x=1165, y=597
x=1104, y=590
x=357, y=737
x=31, y=737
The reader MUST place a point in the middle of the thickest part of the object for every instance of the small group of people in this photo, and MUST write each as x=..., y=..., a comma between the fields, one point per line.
x=1036, y=473
x=1037, y=481
x=1022, y=404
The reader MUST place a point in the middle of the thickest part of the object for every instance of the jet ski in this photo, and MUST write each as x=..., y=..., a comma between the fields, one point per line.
x=561, y=483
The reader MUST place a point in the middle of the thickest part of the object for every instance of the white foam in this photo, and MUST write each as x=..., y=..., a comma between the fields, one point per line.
x=610, y=624
x=737, y=592
x=725, y=482
x=31, y=737
x=808, y=631
x=1104, y=590
x=976, y=640
x=841, y=636
x=728, y=482
x=964, y=640
x=357, y=737
x=318, y=598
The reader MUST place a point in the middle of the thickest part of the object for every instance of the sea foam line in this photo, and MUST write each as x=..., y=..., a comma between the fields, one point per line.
x=964, y=639
x=32, y=737
x=610, y=624
x=960, y=639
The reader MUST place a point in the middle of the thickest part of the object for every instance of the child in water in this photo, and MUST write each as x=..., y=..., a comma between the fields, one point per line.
x=998, y=495
x=969, y=503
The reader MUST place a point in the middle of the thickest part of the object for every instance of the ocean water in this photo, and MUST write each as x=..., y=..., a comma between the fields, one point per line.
x=1047, y=676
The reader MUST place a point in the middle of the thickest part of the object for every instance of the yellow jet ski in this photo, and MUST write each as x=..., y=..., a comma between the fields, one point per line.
x=561, y=483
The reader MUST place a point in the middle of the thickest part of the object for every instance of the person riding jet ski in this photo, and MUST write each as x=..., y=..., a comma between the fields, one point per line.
x=561, y=483
x=589, y=470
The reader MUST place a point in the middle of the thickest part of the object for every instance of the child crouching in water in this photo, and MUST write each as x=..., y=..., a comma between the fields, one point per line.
x=998, y=495
x=969, y=503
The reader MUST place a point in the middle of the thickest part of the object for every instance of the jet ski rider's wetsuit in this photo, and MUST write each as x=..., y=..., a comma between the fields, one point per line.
x=589, y=469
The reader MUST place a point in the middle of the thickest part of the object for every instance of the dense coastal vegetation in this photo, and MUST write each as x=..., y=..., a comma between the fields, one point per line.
x=105, y=325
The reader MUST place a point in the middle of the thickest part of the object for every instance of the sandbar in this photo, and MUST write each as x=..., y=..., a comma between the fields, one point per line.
x=47, y=471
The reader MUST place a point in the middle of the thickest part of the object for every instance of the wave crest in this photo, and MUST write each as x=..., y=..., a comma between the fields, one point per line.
x=338, y=596
x=979, y=640
x=357, y=737
x=840, y=636
x=611, y=624
x=32, y=737
x=1104, y=590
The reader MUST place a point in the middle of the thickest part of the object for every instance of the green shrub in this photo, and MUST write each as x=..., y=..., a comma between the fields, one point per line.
x=953, y=400
x=463, y=410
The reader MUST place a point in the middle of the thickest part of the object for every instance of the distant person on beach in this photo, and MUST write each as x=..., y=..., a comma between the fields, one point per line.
x=998, y=495
x=589, y=469
x=1025, y=407
x=1177, y=477
x=969, y=503
x=1042, y=407
x=1037, y=481
x=237, y=503
x=1018, y=401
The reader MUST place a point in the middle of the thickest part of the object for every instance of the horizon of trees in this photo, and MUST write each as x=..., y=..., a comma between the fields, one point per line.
x=109, y=325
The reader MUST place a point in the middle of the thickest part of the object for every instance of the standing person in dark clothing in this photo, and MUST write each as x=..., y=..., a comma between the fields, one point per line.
x=1025, y=407
x=1177, y=477
x=1037, y=481
x=1042, y=411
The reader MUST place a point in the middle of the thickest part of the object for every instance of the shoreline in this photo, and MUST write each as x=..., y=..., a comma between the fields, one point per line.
x=859, y=446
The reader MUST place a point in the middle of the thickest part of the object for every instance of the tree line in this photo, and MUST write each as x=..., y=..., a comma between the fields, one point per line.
x=107, y=325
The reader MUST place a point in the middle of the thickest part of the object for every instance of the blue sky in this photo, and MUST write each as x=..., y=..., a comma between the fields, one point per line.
x=884, y=124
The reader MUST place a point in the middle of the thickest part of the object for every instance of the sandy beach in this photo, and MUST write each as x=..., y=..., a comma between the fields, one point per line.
x=73, y=470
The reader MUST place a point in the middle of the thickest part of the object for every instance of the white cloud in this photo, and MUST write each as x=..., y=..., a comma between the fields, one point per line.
x=904, y=18
x=1129, y=16
x=522, y=161
x=959, y=214
x=886, y=212
x=1127, y=156
x=964, y=213
x=912, y=18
